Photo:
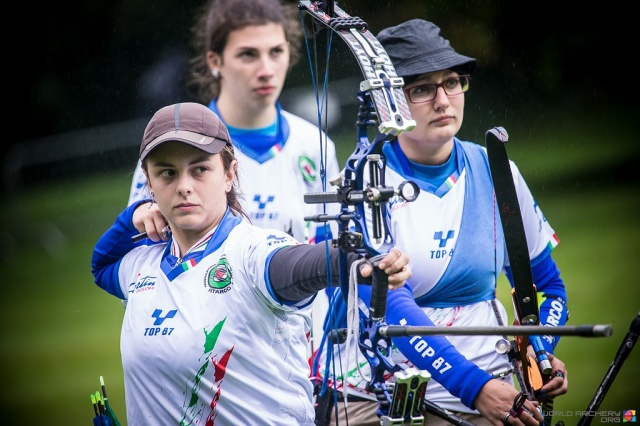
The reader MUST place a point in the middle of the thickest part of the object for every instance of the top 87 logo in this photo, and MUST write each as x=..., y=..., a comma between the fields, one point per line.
x=159, y=319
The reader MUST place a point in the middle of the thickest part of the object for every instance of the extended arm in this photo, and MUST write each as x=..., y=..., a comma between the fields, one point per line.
x=298, y=272
x=435, y=354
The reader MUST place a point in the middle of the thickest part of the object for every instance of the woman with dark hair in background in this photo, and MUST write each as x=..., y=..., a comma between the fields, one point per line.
x=243, y=52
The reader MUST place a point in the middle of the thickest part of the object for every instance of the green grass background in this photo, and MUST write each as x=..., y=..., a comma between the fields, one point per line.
x=60, y=332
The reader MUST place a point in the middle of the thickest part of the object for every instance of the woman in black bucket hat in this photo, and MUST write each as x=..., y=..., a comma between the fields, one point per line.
x=452, y=235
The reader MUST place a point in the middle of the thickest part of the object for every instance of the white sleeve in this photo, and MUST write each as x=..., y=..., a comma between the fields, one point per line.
x=255, y=251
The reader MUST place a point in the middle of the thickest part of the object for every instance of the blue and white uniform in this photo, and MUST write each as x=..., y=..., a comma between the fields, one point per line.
x=455, y=243
x=204, y=338
x=277, y=165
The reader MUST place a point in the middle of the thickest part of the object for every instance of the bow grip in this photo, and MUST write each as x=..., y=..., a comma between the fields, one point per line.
x=379, y=288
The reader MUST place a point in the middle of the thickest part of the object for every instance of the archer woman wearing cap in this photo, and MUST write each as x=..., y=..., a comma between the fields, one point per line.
x=216, y=321
x=455, y=244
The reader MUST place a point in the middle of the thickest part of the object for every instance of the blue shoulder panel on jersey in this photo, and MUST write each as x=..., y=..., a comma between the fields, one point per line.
x=475, y=236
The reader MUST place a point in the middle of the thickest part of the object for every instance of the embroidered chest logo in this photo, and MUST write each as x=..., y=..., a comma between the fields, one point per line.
x=218, y=278
x=307, y=168
x=145, y=283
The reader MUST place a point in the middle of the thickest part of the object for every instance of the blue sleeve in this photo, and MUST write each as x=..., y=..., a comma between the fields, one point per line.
x=435, y=354
x=549, y=284
x=111, y=248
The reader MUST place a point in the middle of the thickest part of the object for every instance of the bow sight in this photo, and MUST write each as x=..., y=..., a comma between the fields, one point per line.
x=374, y=195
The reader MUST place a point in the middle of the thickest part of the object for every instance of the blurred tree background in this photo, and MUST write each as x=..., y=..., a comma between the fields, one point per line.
x=94, y=63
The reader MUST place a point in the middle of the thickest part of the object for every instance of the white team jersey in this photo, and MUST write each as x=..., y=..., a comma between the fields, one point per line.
x=454, y=240
x=274, y=190
x=207, y=342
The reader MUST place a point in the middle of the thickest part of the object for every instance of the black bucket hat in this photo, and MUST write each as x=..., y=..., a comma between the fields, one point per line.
x=416, y=47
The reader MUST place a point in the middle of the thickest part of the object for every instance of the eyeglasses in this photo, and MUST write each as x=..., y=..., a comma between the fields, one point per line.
x=426, y=92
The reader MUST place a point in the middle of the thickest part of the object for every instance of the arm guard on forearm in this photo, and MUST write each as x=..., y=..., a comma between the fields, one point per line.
x=298, y=272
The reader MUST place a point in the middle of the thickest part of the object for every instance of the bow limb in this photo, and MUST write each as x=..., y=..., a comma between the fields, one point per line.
x=380, y=95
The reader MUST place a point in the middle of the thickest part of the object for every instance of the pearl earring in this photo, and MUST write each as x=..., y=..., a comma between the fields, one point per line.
x=215, y=73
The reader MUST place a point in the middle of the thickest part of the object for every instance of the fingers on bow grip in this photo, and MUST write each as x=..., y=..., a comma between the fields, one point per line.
x=375, y=264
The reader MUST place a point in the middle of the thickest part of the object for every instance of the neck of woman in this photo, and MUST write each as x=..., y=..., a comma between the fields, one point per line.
x=246, y=116
x=427, y=153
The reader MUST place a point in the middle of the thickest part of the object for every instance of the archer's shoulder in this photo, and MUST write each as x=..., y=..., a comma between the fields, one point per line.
x=151, y=253
x=292, y=118
x=249, y=239
x=247, y=231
